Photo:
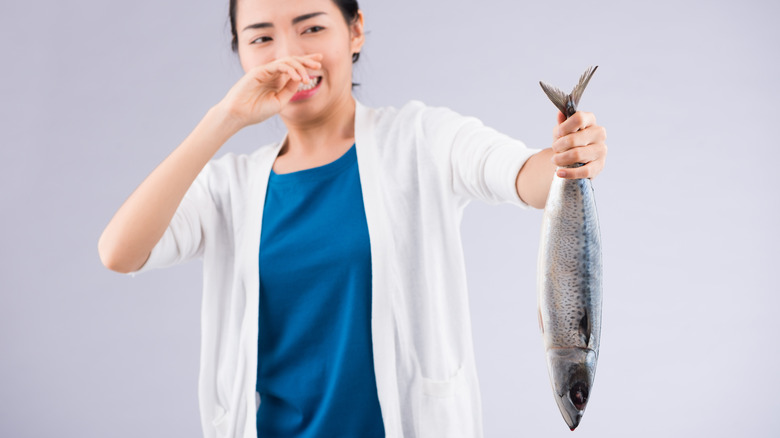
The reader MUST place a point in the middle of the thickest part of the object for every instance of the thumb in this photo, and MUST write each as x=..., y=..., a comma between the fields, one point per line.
x=287, y=92
x=556, y=129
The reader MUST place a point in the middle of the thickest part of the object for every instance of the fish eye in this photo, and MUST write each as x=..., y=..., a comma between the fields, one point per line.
x=579, y=395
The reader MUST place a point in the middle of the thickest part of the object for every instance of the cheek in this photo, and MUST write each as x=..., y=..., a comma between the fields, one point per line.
x=245, y=65
x=245, y=59
x=334, y=51
x=337, y=61
x=251, y=60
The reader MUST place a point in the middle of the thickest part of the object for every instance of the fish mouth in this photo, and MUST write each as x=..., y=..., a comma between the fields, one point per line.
x=572, y=418
x=572, y=404
x=571, y=374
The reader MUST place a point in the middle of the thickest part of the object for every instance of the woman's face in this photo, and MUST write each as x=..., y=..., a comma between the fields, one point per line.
x=325, y=32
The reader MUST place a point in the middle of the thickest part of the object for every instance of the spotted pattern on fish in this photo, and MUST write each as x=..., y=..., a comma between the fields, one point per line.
x=569, y=289
x=570, y=267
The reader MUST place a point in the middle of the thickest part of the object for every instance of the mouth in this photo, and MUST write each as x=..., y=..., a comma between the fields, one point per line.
x=307, y=90
x=313, y=83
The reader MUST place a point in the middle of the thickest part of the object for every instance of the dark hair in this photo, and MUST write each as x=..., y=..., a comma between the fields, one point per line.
x=348, y=8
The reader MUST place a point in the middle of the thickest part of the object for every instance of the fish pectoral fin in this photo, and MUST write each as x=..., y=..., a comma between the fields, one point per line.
x=584, y=329
x=541, y=322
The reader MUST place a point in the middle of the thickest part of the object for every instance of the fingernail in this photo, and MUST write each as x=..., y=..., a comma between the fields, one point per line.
x=561, y=173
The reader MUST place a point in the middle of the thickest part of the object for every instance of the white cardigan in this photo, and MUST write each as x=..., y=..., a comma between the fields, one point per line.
x=419, y=167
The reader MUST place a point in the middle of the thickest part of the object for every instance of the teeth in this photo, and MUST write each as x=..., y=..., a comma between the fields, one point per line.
x=313, y=83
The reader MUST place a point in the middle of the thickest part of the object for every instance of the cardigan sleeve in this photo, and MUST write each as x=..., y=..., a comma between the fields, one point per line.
x=483, y=163
x=185, y=236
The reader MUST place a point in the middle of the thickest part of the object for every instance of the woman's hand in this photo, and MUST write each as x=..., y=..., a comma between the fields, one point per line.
x=264, y=90
x=579, y=139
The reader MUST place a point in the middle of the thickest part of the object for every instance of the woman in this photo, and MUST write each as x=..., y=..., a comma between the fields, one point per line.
x=334, y=289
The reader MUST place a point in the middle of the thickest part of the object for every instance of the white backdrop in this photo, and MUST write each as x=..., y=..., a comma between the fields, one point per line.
x=94, y=94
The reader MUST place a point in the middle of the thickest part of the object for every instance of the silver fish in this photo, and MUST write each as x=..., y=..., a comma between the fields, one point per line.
x=569, y=280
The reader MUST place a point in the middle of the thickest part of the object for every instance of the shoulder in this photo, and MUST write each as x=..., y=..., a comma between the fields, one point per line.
x=231, y=167
x=415, y=115
x=411, y=109
x=234, y=161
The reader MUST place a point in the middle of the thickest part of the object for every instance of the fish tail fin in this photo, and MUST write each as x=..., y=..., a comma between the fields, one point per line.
x=567, y=103
x=558, y=97
x=576, y=93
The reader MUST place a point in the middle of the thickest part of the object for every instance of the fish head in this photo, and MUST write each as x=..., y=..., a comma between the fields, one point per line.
x=571, y=374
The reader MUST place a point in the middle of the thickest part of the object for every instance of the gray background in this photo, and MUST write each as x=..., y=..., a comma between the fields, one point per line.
x=94, y=94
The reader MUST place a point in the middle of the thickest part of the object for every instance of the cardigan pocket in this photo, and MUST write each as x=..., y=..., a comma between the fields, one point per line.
x=446, y=408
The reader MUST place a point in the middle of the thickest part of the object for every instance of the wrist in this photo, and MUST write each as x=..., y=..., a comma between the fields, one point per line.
x=224, y=118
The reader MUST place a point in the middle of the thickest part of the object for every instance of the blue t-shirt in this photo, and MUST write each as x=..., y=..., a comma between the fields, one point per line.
x=315, y=371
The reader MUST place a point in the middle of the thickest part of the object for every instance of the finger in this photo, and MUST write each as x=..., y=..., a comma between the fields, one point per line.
x=283, y=68
x=555, y=131
x=314, y=57
x=592, y=134
x=287, y=92
x=311, y=63
x=578, y=121
x=573, y=140
x=298, y=66
x=583, y=154
x=589, y=170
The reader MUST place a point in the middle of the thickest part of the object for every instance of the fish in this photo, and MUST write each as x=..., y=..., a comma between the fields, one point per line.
x=569, y=279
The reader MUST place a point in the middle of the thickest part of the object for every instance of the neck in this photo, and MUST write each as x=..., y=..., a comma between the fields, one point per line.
x=326, y=132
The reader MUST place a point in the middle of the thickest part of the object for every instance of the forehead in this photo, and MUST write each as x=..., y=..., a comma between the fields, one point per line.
x=279, y=11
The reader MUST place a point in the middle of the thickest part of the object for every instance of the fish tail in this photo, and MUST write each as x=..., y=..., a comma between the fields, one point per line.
x=567, y=103
x=576, y=93
x=558, y=97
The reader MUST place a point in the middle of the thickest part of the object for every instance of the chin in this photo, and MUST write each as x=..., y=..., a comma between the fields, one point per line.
x=309, y=108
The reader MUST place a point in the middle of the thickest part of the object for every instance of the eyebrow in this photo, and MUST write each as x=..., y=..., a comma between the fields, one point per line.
x=295, y=20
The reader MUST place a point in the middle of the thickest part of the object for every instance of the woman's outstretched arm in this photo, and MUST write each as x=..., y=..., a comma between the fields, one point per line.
x=577, y=139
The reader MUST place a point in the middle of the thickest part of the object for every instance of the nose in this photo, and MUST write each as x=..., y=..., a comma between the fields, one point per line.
x=286, y=46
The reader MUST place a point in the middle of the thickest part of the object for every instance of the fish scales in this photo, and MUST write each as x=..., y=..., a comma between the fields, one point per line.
x=569, y=280
x=570, y=266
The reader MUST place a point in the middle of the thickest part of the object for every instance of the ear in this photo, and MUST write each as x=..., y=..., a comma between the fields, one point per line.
x=357, y=36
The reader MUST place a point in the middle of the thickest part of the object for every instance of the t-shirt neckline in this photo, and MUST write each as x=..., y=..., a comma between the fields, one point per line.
x=335, y=166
